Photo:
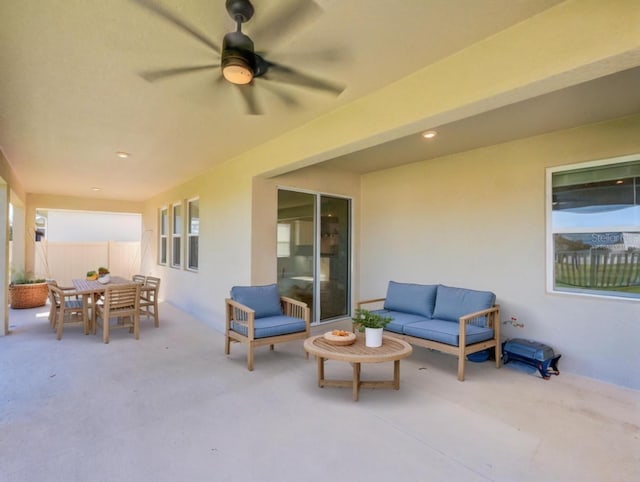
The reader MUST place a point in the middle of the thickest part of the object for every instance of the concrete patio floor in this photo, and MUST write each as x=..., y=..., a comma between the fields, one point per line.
x=173, y=407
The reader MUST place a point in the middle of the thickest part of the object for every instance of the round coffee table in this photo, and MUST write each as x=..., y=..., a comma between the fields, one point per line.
x=392, y=349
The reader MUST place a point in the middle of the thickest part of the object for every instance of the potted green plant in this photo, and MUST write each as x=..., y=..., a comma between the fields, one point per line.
x=372, y=325
x=25, y=291
x=103, y=275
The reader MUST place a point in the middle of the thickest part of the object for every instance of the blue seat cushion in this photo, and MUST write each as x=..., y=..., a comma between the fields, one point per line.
x=452, y=303
x=272, y=326
x=264, y=300
x=399, y=319
x=447, y=332
x=411, y=298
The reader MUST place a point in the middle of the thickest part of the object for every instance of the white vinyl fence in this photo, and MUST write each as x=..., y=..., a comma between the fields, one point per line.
x=66, y=261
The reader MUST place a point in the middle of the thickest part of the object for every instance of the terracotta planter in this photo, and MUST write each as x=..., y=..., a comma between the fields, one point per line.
x=28, y=295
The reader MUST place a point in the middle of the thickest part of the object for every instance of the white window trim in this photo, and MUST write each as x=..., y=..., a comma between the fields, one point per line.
x=175, y=235
x=549, y=228
x=162, y=236
x=189, y=235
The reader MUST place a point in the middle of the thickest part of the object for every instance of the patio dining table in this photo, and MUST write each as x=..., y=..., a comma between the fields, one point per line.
x=92, y=289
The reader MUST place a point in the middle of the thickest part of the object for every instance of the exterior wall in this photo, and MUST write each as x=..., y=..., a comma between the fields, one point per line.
x=237, y=234
x=547, y=52
x=224, y=244
x=265, y=211
x=477, y=220
x=12, y=191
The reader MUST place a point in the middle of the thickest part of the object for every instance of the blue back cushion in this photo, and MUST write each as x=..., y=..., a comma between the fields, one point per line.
x=452, y=303
x=411, y=298
x=264, y=300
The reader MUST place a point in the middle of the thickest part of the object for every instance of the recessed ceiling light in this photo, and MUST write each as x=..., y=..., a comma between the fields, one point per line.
x=122, y=154
x=95, y=189
x=429, y=134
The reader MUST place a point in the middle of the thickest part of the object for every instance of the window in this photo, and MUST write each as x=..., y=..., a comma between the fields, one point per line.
x=163, y=232
x=594, y=228
x=176, y=236
x=193, y=231
x=284, y=240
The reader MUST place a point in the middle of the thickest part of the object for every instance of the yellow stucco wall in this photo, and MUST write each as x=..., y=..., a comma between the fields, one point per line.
x=477, y=220
x=562, y=46
x=576, y=41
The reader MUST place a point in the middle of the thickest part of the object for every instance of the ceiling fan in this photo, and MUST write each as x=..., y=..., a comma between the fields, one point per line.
x=239, y=63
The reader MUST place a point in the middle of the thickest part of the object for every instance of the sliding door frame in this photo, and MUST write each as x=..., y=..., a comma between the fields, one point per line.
x=315, y=316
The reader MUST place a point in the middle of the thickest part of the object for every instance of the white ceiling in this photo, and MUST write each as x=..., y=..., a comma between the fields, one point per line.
x=71, y=94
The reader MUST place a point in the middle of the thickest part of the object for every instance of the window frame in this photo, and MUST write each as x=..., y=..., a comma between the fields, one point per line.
x=190, y=235
x=163, y=235
x=176, y=235
x=551, y=231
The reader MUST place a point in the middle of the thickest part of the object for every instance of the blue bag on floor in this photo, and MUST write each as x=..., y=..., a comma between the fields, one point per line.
x=532, y=353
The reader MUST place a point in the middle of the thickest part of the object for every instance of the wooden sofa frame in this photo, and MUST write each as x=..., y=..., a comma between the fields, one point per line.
x=244, y=315
x=492, y=316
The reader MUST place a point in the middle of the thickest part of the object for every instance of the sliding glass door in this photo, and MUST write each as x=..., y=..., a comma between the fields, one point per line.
x=314, y=257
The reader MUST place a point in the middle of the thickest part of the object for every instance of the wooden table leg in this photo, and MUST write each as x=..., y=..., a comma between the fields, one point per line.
x=320, y=362
x=356, y=381
x=85, y=314
x=396, y=374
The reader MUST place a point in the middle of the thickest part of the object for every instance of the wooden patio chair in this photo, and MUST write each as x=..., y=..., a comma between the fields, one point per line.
x=138, y=278
x=149, y=299
x=122, y=302
x=258, y=315
x=68, y=308
x=53, y=304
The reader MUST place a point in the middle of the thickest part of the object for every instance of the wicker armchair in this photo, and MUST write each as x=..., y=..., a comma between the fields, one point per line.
x=258, y=316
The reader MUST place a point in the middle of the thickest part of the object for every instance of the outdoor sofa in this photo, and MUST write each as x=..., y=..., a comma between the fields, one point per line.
x=458, y=321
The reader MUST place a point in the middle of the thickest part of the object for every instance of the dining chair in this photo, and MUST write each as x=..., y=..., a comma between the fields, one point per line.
x=120, y=302
x=68, y=308
x=258, y=315
x=53, y=303
x=138, y=278
x=149, y=299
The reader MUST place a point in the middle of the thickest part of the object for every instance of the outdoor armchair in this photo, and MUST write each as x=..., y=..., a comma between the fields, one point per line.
x=258, y=316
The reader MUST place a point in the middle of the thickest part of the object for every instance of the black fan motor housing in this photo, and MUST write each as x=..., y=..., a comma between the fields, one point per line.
x=241, y=10
x=237, y=44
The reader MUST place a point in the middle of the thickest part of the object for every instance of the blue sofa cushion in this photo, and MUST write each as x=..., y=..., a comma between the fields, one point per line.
x=264, y=300
x=272, y=326
x=447, y=332
x=452, y=303
x=399, y=319
x=411, y=298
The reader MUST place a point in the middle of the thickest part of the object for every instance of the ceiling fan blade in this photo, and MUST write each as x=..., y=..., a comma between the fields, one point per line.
x=292, y=16
x=248, y=95
x=285, y=97
x=319, y=55
x=154, y=7
x=281, y=73
x=161, y=74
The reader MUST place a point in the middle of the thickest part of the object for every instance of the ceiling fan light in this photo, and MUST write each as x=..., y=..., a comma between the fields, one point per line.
x=237, y=73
